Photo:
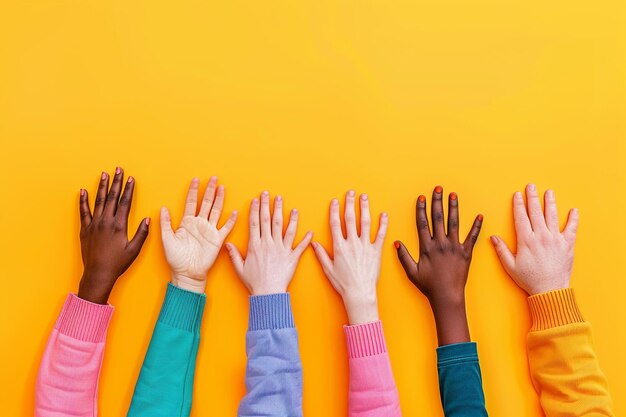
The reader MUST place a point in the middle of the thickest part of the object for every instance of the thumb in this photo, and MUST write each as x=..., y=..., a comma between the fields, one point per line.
x=407, y=261
x=507, y=259
x=166, y=224
x=140, y=236
x=235, y=258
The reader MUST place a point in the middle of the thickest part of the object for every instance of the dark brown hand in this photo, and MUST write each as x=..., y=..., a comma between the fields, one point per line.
x=443, y=267
x=105, y=248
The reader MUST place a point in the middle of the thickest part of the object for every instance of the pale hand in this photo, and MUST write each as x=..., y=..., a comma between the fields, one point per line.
x=192, y=249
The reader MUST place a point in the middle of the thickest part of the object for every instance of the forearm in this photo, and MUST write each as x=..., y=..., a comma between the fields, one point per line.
x=451, y=321
x=67, y=382
x=274, y=370
x=165, y=384
x=372, y=391
x=563, y=364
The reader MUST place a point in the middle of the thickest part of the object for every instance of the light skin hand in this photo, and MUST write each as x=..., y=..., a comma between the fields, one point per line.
x=105, y=248
x=443, y=267
x=545, y=255
x=354, y=269
x=271, y=261
x=192, y=249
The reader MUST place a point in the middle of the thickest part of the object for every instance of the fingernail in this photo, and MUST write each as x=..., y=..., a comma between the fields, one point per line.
x=279, y=198
x=575, y=211
x=130, y=179
x=351, y=193
x=364, y=197
x=148, y=221
x=82, y=192
x=452, y=196
x=517, y=194
x=118, y=170
x=421, y=199
x=396, y=244
x=235, y=212
x=438, y=189
x=104, y=176
x=334, y=202
x=294, y=211
x=494, y=240
x=314, y=244
x=255, y=201
x=480, y=217
x=265, y=194
x=531, y=187
x=550, y=194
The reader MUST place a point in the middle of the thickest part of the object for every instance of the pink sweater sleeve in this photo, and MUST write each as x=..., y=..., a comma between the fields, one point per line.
x=373, y=391
x=67, y=382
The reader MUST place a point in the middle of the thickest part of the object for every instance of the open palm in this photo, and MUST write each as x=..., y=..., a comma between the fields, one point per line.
x=192, y=249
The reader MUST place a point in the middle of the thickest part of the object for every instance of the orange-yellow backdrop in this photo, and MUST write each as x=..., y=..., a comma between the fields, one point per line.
x=307, y=99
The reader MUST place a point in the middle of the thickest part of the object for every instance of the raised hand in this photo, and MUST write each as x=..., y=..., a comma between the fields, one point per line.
x=192, y=249
x=545, y=255
x=105, y=248
x=443, y=266
x=354, y=269
x=271, y=261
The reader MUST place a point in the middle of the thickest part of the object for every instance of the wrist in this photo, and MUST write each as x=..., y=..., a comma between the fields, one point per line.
x=185, y=282
x=361, y=310
x=451, y=321
x=95, y=288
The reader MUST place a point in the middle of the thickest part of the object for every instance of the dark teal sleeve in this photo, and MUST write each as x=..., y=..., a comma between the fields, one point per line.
x=460, y=381
x=165, y=384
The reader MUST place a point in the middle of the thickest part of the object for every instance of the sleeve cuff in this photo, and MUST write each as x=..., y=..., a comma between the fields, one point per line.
x=365, y=339
x=270, y=312
x=182, y=309
x=457, y=353
x=83, y=320
x=554, y=309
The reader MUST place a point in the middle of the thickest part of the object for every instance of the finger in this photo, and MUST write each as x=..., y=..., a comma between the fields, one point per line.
x=535, y=213
x=552, y=216
x=166, y=225
x=254, y=220
x=277, y=220
x=110, y=207
x=83, y=206
x=123, y=209
x=507, y=259
x=101, y=196
x=266, y=228
x=304, y=243
x=365, y=218
x=437, y=213
x=453, y=217
x=228, y=226
x=335, y=221
x=406, y=260
x=520, y=216
x=349, y=215
x=191, y=204
x=235, y=258
x=323, y=258
x=571, y=227
x=218, y=206
x=382, y=231
x=472, y=236
x=140, y=236
x=421, y=221
x=208, y=198
x=290, y=233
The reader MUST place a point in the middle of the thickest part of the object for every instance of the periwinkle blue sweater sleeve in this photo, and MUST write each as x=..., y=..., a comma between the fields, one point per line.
x=165, y=384
x=274, y=370
x=460, y=381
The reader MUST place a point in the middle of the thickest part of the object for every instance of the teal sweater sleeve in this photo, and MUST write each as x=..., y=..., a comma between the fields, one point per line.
x=460, y=381
x=165, y=384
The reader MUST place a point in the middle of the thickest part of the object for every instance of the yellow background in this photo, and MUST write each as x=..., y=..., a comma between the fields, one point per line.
x=309, y=98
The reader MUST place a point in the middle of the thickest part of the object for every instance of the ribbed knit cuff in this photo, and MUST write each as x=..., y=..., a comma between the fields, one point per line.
x=365, y=339
x=554, y=309
x=457, y=353
x=268, y=312
x=84, y=320
x=182, y=309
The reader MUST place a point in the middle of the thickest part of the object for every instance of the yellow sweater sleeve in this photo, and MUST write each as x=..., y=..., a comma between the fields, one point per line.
x=563, y=366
